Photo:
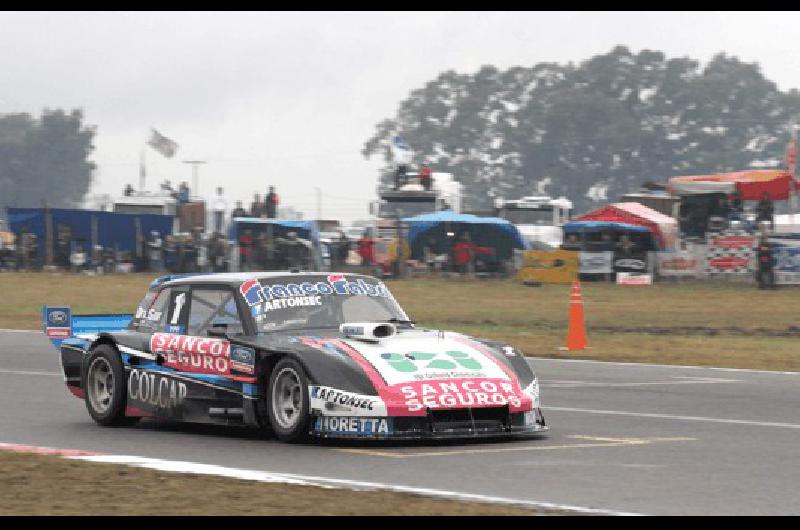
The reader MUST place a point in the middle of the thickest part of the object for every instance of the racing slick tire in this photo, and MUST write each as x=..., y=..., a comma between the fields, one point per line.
x=104, y=385
x=288, y=401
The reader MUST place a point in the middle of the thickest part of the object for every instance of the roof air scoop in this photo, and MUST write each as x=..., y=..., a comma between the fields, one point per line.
x=368, y=330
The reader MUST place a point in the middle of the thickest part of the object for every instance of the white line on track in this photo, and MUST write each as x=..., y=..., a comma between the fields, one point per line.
x=29, y=372
x=288, y=478
x=691, y=367
x=675, y=417
x=678, y=381
x=21, y=331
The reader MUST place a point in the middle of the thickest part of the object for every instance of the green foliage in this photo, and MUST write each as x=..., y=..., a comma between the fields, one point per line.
x=592, y=131
x=45, y=159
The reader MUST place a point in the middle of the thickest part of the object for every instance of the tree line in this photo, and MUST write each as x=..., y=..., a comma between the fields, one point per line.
x=595, y=130
x=45, y=159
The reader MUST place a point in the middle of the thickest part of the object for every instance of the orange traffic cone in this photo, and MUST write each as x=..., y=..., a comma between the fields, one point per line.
x=576, y=338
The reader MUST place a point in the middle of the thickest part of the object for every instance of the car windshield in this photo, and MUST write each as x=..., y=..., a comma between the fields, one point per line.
x=319, y=301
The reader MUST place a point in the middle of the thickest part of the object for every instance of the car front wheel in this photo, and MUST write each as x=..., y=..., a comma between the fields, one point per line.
x=288, y=401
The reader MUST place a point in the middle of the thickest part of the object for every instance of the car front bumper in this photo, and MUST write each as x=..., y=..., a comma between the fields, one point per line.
x=445, y=424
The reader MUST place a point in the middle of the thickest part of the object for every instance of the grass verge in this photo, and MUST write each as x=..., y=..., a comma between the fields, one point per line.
x=49, y=485
x=703, y=323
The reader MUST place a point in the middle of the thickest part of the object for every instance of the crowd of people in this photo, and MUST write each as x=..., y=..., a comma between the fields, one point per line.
x=264, y=251
x=266, y=209
x=454, y=254
x=699, y=214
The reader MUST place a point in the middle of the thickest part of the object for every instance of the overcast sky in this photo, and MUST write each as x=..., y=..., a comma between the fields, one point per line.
x=289, y=98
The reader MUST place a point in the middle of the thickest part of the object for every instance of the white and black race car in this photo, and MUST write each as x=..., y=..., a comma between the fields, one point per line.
x=304, y=354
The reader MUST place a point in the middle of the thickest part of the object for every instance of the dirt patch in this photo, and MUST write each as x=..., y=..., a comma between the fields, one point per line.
x=50, y=485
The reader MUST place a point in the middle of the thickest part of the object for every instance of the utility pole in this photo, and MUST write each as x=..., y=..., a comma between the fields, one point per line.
x=195, y=181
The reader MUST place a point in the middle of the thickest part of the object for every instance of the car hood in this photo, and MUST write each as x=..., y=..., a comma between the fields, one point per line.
x=416, y=370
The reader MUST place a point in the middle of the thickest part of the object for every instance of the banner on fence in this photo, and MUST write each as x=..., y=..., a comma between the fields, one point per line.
x=596, y=262
x=730, y=252
x=635, y=262
x=556, y=266
x=631, y=278
x=787, y=264
x=684, y=263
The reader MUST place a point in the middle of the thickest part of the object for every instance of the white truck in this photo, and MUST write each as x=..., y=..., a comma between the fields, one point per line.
x=408, y=200
x=412, y=198
x=538, y=218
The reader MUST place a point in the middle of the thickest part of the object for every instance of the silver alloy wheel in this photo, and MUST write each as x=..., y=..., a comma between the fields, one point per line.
x=287, y=398
x=100, y=385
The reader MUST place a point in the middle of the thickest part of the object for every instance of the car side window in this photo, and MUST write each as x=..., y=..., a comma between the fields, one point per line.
x=213, y=306
x=153, y=317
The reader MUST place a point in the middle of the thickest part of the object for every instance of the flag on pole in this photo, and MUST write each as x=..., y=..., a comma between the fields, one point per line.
x=401, y=151
x=162, y=144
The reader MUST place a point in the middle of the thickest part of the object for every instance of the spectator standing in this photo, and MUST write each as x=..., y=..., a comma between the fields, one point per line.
x=464, y=253
x=737, y=204
x=189, y=256
x=140, y=254
x=626, y=247
x=62, y=246
x=766, y=265
x=201, y=250
x=183, y=193
x=295, y=251
x=154, y=250
x=425, y=177
x=256, y=207
x=723, y=208
x=572, y=242
x=271, y=203
x=260, y=251
x=342, y=248
x=170, y=254
x=366, y=249
x=238, y=211
x=765, y=211
x=246, y=250
x=220, y=206
x=216, y=252
x=429, y=254
x=77, y=257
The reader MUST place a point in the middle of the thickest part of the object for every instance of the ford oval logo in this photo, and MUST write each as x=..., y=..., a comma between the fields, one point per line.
x=242, y=355
x=58, y=317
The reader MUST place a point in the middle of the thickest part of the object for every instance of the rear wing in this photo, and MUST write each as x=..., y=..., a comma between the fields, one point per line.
x=58, y=324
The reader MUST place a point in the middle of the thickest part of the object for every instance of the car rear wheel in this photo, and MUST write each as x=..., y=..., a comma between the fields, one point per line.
x=104, y=386
x=288, y=401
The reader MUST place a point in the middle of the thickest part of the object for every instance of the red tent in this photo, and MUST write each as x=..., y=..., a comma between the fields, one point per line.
x=751, y=184
x=664, y=228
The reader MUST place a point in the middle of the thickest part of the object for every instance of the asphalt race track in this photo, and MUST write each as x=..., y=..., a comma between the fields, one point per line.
x=633, y=438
